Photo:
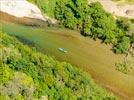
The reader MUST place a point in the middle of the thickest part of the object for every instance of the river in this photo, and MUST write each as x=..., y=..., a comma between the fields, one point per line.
x=91, y=56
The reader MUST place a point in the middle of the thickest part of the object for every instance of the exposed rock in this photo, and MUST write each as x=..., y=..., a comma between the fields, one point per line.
x=22, y=8
x=130, y=12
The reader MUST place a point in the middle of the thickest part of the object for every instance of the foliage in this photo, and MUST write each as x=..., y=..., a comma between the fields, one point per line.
x=103, y=24
x=74, y=12
x=28, y=75
x=123, y=45
x=90, y=19
x=93, y=21
x=19, y=88
x=6, y=73
x=33, y=1
x=123, y=67
x=124, y=23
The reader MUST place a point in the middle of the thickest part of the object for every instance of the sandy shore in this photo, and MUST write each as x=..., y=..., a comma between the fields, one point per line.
x=22, y=8
x=21, y=20
x=112, y=7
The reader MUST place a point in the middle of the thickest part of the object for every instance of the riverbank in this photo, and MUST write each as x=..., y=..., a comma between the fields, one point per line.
x=22, y=20
x=87, y=54
x=23, y=9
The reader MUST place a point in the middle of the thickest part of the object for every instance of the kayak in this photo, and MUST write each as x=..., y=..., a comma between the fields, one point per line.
x=62, y=50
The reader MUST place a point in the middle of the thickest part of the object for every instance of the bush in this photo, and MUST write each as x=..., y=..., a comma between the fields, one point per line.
x=6, y=73
x=123, y=67
x=123, y=45
x=73, y=14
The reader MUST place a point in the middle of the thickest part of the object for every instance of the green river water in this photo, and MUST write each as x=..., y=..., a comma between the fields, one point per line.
x=85, y=53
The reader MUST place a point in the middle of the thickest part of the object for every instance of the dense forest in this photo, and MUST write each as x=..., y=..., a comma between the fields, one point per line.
x=26, y=74
x=91, y=20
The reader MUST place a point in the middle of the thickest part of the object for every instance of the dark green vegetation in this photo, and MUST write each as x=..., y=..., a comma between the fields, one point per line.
x=27, y=74
x=91, y=20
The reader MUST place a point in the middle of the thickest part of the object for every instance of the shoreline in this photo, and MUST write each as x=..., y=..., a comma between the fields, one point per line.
x=26, y=21
x=21, y=20
x=24, y=9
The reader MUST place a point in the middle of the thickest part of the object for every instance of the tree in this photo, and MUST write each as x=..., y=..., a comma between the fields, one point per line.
x=123, y=23
x=86, y=26
x=103, y=24
x=70, y=21
x=123, y=45
x=73, y=14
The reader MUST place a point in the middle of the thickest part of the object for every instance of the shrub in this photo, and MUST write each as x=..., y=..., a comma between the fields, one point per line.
x=123, y=45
